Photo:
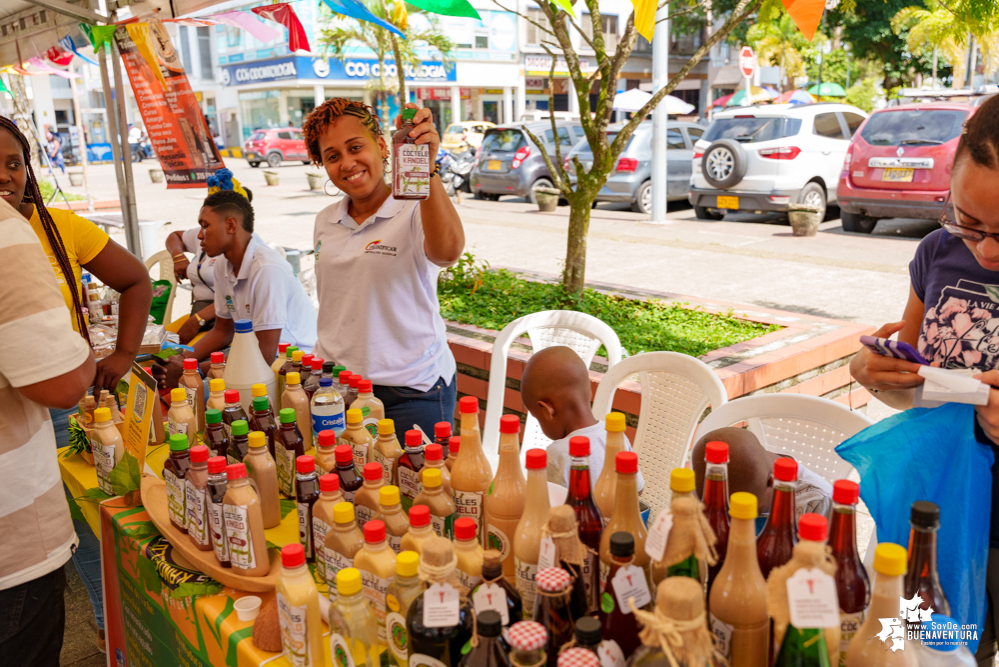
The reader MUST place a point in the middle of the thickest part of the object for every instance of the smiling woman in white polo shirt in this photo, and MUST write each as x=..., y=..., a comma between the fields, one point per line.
x=377, y=261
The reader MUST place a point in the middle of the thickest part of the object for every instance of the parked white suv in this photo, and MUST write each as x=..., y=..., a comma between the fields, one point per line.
x=765, y=158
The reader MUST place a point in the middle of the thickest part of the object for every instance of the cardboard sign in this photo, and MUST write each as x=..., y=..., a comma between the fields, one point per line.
x=138, y=415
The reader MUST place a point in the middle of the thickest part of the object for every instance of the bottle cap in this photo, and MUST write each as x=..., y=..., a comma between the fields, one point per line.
x=177, y=395
x=178, y=442
x=212, y=416
x=536, y=459
x=813, y=527
x=293, y=378
x=348, y=581
x=442, y=430
x=615, y=422
x=579, y=446
x=216, y=385
x=216, y=464
x=260, y=403
x=354, y=416
x=681, y=480
x=742, y=505
x=327, y=437
x=925, y=514
x=419, y=515
x=292, y=555
x=343, y=377
x=317, y=363
x=374, y=531
x=408, y=114
x=343, y=454
x=335, y=370
x=845, y=492
x=431, y=478
x=372, y=471
x=218, y=358
x=296, y=357
x=282, y=348
x=287, y=415
x=305, y=464
x=465, y=529
x=716, y=452
x=622, y=544
x=577, y=657
x=413, y=438
x=386, y=427
x=468, y=405
x=104, y=414
x=407, y=564
x=257, y=439
x=259, y=389
x=325, y=382
x=307, y=360
x=329, y=483
x=290, y=351
x=489, y=623
x=190, y=364
x=626, y=463
x=527, y=636
x=231, y=396
x=552, y=580
x=235, y=471
x=355, y=379
x=454, y=444
x=343, y=513
x=786, y=470
x=889, y=559
x=243, y=326
x=433, y=452
x=364, y=386
x=388, y=495
x=239, y=427
x=589, y=632
x=510, y=424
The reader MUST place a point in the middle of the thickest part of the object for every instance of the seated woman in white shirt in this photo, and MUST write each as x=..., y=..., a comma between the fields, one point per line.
x=377, y=260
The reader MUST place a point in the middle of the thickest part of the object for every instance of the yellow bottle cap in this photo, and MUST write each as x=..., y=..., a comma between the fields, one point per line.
x=293, y=378
x=388, y=495
x=257, y=439
x=743, y=505
x=343, y=513
x=102, y=414
x=259, y=389
x=177, y=395
x=296, y=356
x=386, y=427
x=218, y=384
x=431, y=478
x=354, y=416
x=681, y=480
x=615, y=422
x=348, y=581
x=890, y=559
x=406, y=563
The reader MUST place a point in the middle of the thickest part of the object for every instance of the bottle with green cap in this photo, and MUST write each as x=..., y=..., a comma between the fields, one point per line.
x=401, y=593
x=262, y=419
x=175, y=475
x=605, y=487
x=262, y=470
x=866, y=649
x=411, y=168
x=353, y=628
x=239, y=442
x=215, y=437
x=288, y=446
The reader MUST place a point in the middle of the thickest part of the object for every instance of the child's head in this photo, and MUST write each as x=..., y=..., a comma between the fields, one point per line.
x=555, y=388
x=750, y=467
x=974, y=197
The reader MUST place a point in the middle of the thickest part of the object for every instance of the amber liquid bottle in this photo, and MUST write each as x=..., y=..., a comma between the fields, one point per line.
x=590, y=525
x=262, y=419
x=715, y=499
x=921, y=577
x=619, y=625
x=852, y=583
x=350, y=481
x=410, y=162
x=306, y=495
x=410, y=465
x=775, y=543
x=626, y=517
x=442, y=436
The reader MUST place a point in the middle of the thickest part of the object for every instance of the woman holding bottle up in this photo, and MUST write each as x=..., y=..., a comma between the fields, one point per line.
x=377, y=261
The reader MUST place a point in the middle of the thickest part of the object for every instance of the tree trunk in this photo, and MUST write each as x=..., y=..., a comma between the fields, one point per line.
x=400, y=70
x=574, y=275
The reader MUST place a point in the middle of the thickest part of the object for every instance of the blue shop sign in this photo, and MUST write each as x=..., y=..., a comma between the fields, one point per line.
x=303, y=67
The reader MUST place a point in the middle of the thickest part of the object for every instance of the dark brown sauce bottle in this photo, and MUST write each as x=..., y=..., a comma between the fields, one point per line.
x=306, y=495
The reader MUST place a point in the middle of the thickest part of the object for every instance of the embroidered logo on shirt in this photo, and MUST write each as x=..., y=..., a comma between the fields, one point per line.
x=229, y=304
x=318, y=246
x=378, y=248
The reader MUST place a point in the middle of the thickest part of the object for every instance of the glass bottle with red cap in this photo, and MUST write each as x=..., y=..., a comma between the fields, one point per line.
x=198, y=523
x=420, y=529
x=376, y=561
x=217, y=371
x=244, y=525
x=553, y=609
x=325, y=451
x=527, y=537
x=366, y=500
x=341, y=382
x=215, y=437
x=434, y=458
x=299, y=616
x=311, y=383
x=580, y=498
x=852, y=583
x=619, y=624
x=306, y=495
x=453, y=449
x=626, y=517
x=194, y=386
x=350, y=481
x=233, y=411
x=278, y=363
x=322, y=518
x=469, y=552
x=442, y=436
x=715, y=499
x=775, y=543
x=410, y=464
x=922, y=578
x=216, y=488
x=471, y=474
x=504, y=503
x=528, y=640
x=353, y=382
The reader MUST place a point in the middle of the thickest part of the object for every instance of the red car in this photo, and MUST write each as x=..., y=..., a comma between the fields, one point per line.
x=898, y=164
x=275, y=146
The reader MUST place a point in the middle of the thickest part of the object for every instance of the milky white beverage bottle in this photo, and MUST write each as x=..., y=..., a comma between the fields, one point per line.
x=246, y=366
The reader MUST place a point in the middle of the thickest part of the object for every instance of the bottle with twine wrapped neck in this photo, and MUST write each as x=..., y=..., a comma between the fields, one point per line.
x=690, y=549
x=676, y=633
x=439, y=621
x=571, y=555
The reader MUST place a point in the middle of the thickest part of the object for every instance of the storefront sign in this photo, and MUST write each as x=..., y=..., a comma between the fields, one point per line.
x=441, y=93
x=303, y=67
x=541, y=66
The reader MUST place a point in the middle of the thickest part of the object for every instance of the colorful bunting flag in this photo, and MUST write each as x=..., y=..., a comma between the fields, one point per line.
x=193, y=23
x=59, y=56
x=250, y=24
x=48, y=69
x=356, y=10
x=567, y=6
x=447, y=7
x=68, y=44
x=99, y=35
x=283, y=13
x=806, y=14
x=140, y=34
x=5, y=89
x=645, y=17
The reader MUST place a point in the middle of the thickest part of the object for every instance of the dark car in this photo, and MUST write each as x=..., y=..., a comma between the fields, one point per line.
x=274, y=146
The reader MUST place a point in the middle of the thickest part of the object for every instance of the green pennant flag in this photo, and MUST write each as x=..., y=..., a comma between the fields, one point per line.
x=98, y=35
x=567, y=6
x=447, y=7
x=5, y=89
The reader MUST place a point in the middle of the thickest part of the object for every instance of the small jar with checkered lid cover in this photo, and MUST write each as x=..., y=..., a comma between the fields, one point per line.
x=552, y=609
x=527, y=644
x=578, y=657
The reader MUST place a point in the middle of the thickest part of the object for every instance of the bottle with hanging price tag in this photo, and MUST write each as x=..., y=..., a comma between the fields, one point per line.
x=495, y=592
x=398, y=600
x=620, y=626
x=439, y=623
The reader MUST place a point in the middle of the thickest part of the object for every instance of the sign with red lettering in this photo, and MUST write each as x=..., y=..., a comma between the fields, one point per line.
x=747, y=62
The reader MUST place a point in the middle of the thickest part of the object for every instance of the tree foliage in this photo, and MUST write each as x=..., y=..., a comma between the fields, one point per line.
x=779, y=42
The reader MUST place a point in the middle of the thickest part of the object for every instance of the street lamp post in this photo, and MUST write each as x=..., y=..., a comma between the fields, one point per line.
x=660, y=77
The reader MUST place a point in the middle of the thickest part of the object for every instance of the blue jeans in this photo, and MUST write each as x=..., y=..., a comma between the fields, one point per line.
x=407, y=406
x=32, y=621
x=87, y=557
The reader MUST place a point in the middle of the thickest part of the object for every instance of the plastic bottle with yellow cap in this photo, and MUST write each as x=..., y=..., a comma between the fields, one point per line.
x=107, y=447
x=738, y=598
x=606, y=484
x=386, y=451
x=262, y=471
x=216, y=394
x=866, y=650
x=353, y=627
x=401, y=593
x=390, y=511
x=260, y=389
x=342, y=543
x=442, y=509
x=181, y=418
x=358, y=438
x=295, y=398
x=682, y=484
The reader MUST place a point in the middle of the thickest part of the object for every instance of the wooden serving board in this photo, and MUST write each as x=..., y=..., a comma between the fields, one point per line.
x=154, y=499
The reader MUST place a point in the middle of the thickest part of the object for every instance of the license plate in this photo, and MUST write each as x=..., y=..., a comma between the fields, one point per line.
x=728, y=202
x=897, y=175
x=494, y=165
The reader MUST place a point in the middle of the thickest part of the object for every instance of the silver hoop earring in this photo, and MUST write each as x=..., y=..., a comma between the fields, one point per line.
x=335, y=192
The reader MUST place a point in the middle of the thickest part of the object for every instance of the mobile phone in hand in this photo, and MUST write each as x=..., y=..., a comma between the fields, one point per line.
x=893, y=348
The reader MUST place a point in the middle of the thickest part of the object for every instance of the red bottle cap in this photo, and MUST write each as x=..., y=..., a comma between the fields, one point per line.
x=465, y=529
x=454, y=444
x=344, y=377
x=305, y=464
x=579, y=446
x=190, y=364
x=355, y=380
x=626, y=462
x=218, y=357
x=317, y=363
x=329, y=483
x=413, y=438
x=282, y=348
x=343, y=454
x=468, y=405
x=231, y=396
x=536, y=459
x=433, y=452
x=235, y=471
x=216, y=464
x=327, y=438
x=374, y=531
x=199, y=454
x=442, y=430
x=307, y=359
x=509, y=424
x=845, y=492
x=364, y=386
x=292, y=555
x=419, y=516
x=716, y=452
x=786, y=470
x=372, y=471
x=813, y=527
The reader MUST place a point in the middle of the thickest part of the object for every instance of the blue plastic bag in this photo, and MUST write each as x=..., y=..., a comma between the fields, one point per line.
x=932, y=454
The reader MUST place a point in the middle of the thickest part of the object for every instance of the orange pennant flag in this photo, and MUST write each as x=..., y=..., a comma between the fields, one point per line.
x=806, y=14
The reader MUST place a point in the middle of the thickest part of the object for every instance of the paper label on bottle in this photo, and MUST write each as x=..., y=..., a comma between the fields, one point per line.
x=604, y=573
x=491, y=596
x=468, y=504
x=176, y=427
x=370, y=424
x=440, y=606
x=305, y=527
x=334, y=563
x=386, y=464
x=104, y=463
x=360, y=450
x=348, y=496
x=319, y=530
x=525, y=584
x=419, y=660
x=409, y=483
x=375, y=589
x=723, y=635
x=197, y=515
x=395, y=543
x=396, y=635
x=411, y=170
x=496, y=539
x=628, y=583
x=469, y=581
x=546, y=553
x=655, y=543
x=335, y=422
x=340, y=652
x=812, y=600
x=848, y=626
x=610, y=654
x=176, y=502
x=589, y=583
x=362, y=515
x=192, y=398
x=285, y=469
x=237, y=530
x=443, y=525
x=294, y=633
x=219, y=542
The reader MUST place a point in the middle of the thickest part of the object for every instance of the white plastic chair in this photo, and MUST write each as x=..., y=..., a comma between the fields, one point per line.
x=165, y=260
x=676, y=389
x=583, y=333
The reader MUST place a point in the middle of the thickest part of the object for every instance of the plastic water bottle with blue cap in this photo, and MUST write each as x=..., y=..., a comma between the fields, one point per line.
x=246, y=366
x=327, y=409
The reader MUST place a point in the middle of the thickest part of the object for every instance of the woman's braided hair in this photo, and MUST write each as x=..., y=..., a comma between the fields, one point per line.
x=33, y=195
x=326, y=113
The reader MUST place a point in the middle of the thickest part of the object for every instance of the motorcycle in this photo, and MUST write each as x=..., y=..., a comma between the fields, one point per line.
x=455, y=168
x=141, y=150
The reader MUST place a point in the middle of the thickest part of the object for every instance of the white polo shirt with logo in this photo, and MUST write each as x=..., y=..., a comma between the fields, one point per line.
x=378, y=309
x=267, y=293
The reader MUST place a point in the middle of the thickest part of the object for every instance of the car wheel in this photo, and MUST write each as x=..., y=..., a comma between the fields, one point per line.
x=540, y=183
x=305, y=162
x=704, y=213
x=136, y=157
x=274, y=160
x=643, y=200
x=254, y=164
x=724, y=164
x=857, y=223
x=480, y=195
x=813, y=195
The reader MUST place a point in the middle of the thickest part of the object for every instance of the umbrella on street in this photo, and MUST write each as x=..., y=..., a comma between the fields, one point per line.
x=827, y=89
x=756, y=95
x=722, y=101
x=635, y=99
x=796, y=97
